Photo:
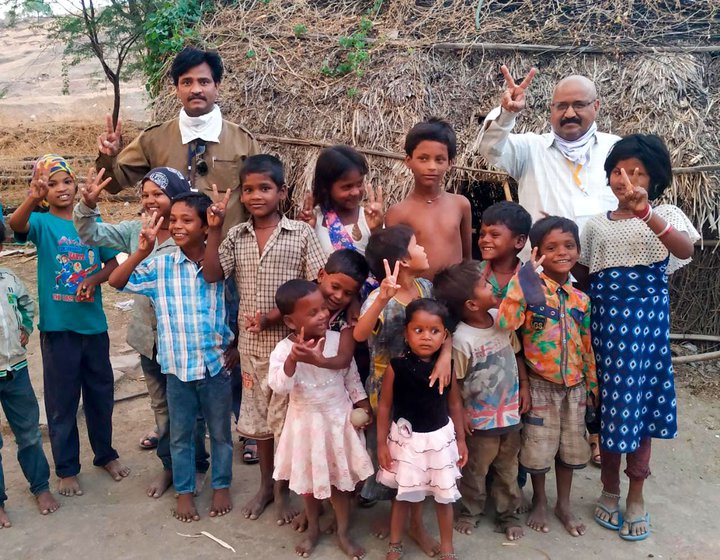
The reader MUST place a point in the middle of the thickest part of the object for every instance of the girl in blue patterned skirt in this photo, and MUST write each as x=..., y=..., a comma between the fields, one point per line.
x=629, y=253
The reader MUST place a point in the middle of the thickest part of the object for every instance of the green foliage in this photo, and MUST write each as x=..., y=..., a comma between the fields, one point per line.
x=352, y=92
x=250, y=53
x=167, y=30
x=300, y=29
x=357, y=47
x=37, y=8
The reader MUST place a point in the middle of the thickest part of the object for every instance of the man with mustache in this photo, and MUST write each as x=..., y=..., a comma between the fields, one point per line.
x=206, y=148
x=559, y=173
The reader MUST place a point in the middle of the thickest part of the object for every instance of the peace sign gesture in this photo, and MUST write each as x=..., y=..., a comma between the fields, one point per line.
x=374, y=209
x=39, y=182
x=534, y=261
x=93, y=187
x=110, y=140
x=306, y=351
x=513, y=98
x=216, y=211
x=307, y=213
x=148, y=233
x=389, y=286
x=634, y=197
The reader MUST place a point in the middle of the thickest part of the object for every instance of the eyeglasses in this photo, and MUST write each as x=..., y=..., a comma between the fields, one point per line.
x=201, y=165
x=576, y=105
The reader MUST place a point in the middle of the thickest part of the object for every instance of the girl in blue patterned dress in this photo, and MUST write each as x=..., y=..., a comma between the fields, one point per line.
x=629, y=253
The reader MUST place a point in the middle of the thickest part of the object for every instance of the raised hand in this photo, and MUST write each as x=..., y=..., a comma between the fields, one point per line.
x=93, y=186
x=307, y=213
x=110, y=140
x=39, y=182
x=534, y=261
x=253, y=323
x=148, y=233
x=513, y=98
x=634, y=197
x=374, y=209
x=308, y=352
x=216, y=211
x=389, y=286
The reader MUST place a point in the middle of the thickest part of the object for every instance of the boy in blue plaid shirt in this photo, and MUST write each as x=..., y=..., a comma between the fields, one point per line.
x=193, y=335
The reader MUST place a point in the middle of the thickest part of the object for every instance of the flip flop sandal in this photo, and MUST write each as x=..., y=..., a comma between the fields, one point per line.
x=149, y=442
x=643, y=536
x=250, y=452
x=610, y=513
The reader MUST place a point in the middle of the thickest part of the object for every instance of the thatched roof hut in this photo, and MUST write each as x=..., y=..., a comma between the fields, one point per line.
x=305, y=73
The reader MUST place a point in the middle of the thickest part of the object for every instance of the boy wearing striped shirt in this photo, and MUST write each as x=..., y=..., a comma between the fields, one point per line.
x=193, y=335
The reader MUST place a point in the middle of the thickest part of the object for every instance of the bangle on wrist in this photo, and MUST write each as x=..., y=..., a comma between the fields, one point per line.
x=667, y=229
x=645, y=215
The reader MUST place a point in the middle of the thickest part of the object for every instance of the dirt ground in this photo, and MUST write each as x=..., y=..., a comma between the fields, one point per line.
x=117, y=520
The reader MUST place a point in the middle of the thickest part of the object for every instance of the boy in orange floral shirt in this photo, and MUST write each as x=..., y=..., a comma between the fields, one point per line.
x=554, y=322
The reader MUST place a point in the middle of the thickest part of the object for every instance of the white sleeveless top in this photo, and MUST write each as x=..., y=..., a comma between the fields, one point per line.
x=360, y=232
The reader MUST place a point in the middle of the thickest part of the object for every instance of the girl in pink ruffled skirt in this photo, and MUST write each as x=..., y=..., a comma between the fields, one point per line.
x=421, y=447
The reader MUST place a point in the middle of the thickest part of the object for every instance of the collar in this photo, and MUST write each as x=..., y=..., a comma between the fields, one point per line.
x=548, y=139
x=205, y=127
x=553, y=286
x=181, y=257
x=284, y=223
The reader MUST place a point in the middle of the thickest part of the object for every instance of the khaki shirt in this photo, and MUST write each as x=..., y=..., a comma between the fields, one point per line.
x=161, y=145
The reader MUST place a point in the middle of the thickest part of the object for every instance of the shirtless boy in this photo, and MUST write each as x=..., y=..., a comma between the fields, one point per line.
x=441, y=220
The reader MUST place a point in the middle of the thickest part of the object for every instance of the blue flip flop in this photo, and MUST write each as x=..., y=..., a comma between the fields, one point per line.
x=646, y=520
x=610, y=513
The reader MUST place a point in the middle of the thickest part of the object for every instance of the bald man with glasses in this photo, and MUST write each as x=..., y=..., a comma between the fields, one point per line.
x=561, y=172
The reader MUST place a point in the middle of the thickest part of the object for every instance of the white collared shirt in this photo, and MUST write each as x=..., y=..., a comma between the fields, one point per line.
x=544, y=175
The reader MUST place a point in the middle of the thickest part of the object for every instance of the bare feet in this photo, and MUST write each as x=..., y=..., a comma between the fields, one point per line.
x=422, y=538
x=525, y=503
x=159, y=484
x=305, y=547
x=514, y=533
x=465, y=525
x=254, y=508
x=46, y=503
x=284, y=509
x=610, y=505
x=330, y=525
x=349, y=547
x=185, y=509
x=575, y=527
x=4, y=519
x=537, y=520
x=381, y=527
x=300, y=522
x=635, y=523
x=117, y=470
x=69, y=486
x=221, y=502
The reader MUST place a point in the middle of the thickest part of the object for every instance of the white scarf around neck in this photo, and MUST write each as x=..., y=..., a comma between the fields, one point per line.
x=205, y=127
x=577, y=151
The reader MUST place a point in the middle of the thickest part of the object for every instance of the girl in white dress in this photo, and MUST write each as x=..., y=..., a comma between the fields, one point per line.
x=319, y=451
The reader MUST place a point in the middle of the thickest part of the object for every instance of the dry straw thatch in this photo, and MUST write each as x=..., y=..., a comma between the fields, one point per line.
x=656, y=64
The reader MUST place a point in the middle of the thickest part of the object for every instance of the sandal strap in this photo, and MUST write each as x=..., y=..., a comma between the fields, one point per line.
x=395, y=548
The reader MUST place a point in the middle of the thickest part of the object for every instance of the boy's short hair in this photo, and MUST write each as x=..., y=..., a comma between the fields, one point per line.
x=390, y=243
x=455, y=285
x=290, y=292
x=542, y=227
x=435, y=130
x=264, y=164
x=199, y=201
x=652, y=152
x=348, y=262
x=509, y=214
x=190, y=57
x=429, y=305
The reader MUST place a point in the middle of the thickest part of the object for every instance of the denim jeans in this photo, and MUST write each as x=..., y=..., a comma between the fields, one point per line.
x=75, y=363
x=212, y=398
x=156, y=382
x=23, y=415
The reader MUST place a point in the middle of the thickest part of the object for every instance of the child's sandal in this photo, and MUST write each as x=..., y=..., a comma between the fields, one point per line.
x=395, y=548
